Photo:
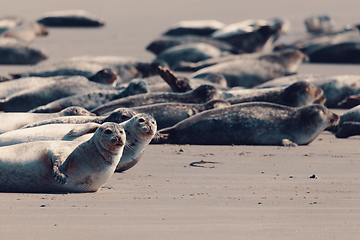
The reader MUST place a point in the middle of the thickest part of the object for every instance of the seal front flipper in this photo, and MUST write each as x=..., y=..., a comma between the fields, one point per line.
x=82, y=129
x=288, y=143
x=56, y=161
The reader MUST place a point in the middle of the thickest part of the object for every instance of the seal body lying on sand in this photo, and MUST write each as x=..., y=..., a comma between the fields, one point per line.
x=16, y=120
x=298, y=94
x=349, y=124
x=14, y=52
x=251, y=124
x=62, y=166
x=118, y=115
x=70, y=18
x=31, y=98
x=202, y=94
x=169, y=114
x=244, y=72
x=93, y=99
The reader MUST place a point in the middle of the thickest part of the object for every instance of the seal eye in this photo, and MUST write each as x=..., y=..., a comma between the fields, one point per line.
x=108, y=131
x=141, y=120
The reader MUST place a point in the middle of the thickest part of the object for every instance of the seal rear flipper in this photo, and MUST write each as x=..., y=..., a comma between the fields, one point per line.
x=288, y=143
x=348, y=129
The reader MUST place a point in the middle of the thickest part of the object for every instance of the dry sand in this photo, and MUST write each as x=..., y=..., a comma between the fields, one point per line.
x=251, y=192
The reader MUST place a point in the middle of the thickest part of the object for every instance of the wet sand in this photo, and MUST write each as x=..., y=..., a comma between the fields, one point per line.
x=250, y=192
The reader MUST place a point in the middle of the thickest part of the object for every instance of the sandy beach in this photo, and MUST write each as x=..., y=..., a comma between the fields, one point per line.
x=247, y=192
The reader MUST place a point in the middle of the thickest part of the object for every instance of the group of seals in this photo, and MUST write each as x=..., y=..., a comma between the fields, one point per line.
x=60, y=166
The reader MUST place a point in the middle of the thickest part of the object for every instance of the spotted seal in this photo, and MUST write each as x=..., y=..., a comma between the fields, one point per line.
x=140, y=129
x=251, y=124
x=16, y=120
x=169, y=114
x=118, y=115
x=94, y=99
x=202, y=94
x=298, y=94
x=31, y=98
x=62, y=166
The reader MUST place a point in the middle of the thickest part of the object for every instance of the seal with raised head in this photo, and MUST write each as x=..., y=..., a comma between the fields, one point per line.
x=202, y=94
x=62, y=166
x=140, y=129
x=251, y=124
x=16, y=120
x=118, y=115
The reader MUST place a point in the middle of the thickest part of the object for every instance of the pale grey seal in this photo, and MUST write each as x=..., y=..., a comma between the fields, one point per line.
x=62, y=166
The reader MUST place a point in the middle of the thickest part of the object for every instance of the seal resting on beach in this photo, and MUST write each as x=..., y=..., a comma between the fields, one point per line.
x=169, y=114
x=251, y=124
x=140, y=129
x=202, y=94
x=34, y=97
x=13, y=51
x=62, y=166
x=93, y=99
x=16, y=120
x=118, y=115
x=298, y=94
x=70, y=18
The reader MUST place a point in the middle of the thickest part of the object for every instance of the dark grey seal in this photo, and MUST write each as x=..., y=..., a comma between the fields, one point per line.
x=14, y=52
x=251, y=124
x=70, y=18
x=202, y=94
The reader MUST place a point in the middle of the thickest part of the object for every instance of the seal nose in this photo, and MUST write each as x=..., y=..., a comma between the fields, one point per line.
x=117, y=141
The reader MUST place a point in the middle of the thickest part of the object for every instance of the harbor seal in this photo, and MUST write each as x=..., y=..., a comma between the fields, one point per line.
x=62, y=166
x=140, y=130
x=13, y=51
x=298, y=94
x=16, y=120
x=194, y=27
x=118, y=115
x=244, y=72
x=251, y=124
x=202, y=94
x=34, y=97
x=93, y=99
x=169, y=114
x=70, y=18
x=348, y=125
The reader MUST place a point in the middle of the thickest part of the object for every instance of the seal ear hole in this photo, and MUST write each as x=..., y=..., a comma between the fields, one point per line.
x=108, y=131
